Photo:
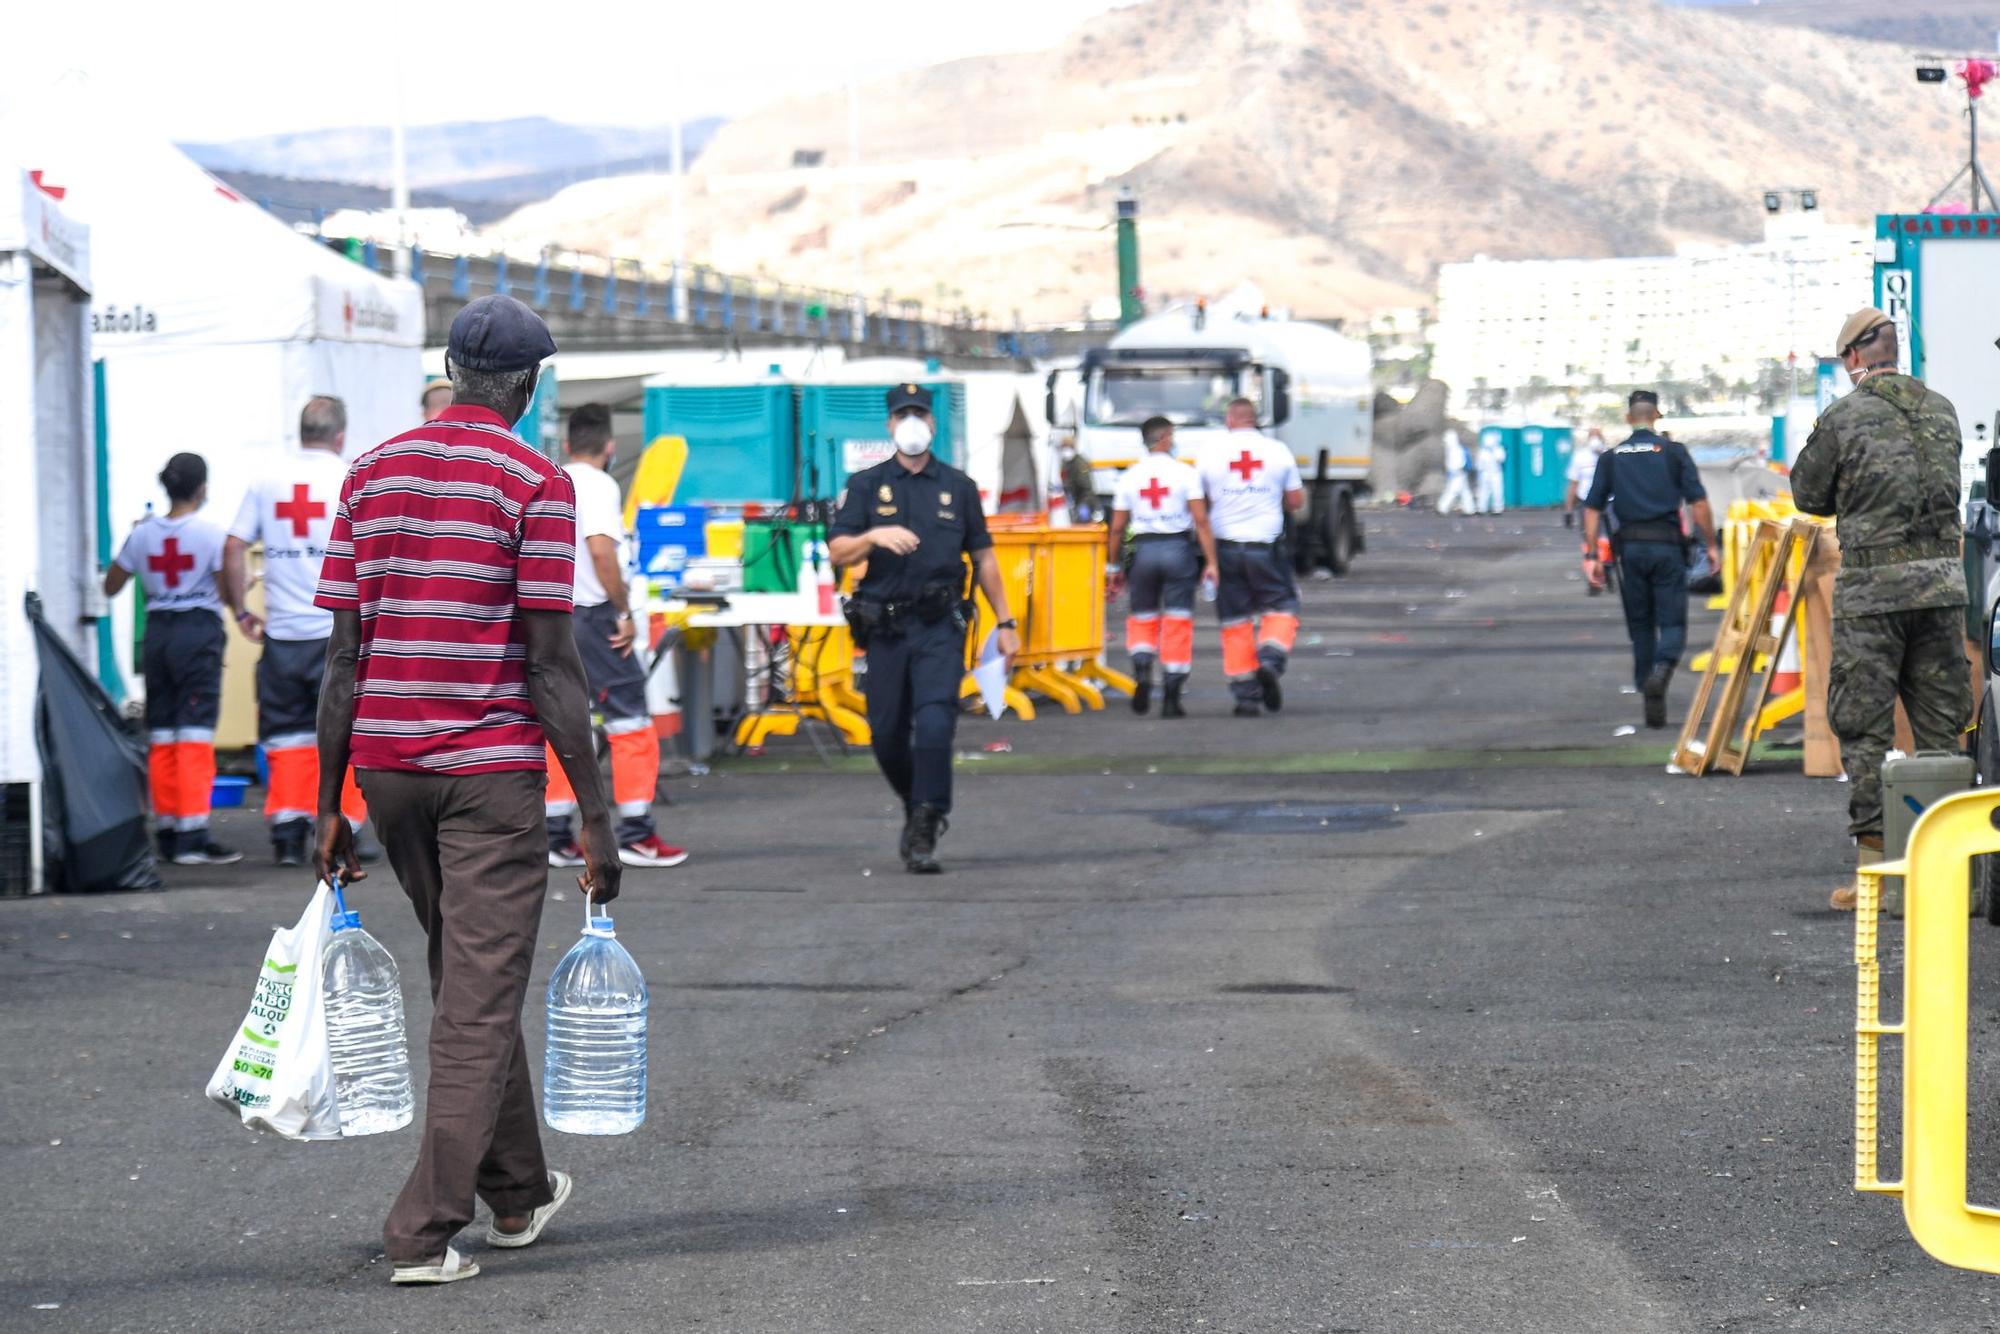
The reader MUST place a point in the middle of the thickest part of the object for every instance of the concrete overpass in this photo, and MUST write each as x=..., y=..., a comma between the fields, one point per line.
x=596, y=304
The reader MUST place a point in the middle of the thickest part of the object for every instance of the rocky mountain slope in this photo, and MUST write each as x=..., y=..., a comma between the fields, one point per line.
x=1333, y=151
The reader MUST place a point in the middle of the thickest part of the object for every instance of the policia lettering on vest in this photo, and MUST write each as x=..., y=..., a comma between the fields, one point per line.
x=1644, y=480
x=915, y=521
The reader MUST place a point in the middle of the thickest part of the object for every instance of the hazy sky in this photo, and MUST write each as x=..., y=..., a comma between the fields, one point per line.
x=227, y=69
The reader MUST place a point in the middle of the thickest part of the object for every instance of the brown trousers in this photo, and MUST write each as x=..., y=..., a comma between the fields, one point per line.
x=471, y=853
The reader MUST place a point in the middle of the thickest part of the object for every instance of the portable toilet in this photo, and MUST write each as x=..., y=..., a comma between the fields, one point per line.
x=844, y=423
x=1538, y=466
x=1509, y=439
x=742, y=439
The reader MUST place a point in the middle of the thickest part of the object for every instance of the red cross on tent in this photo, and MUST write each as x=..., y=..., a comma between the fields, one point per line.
x=301, y=509
x=1247, y=466
x=1156, y=491
x=171, y=563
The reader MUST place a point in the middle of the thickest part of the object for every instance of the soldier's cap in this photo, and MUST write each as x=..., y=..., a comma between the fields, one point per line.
x=1859, y=325
x=909, y=396
x=498, y=333
x=1643, y=396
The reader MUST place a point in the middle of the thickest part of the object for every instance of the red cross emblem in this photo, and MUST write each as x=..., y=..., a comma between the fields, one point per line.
x=1247, y=466
x=301, y=509
x=171, y=563
x=1156, y=491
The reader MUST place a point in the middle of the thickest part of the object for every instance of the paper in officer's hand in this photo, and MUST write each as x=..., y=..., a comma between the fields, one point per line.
x=991, y=675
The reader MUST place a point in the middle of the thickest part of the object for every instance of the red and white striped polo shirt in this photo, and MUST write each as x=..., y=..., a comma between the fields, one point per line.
x=444, y=535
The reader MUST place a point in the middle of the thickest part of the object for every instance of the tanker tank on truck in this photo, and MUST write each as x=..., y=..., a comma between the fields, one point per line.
x=1311, y=386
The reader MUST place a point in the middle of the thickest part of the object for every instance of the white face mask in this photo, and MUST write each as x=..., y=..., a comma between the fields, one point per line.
x=912, y=435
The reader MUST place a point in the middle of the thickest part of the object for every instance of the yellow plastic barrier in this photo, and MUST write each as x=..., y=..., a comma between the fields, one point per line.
x=822, y=687
x=1934, y=1031
x=1055, y=587
x=1738, y=530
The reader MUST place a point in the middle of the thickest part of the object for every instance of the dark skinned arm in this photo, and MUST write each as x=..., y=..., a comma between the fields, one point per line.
x=561, y=697
x=334, y=851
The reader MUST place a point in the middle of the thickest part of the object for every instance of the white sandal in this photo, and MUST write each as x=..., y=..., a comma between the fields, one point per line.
x=450, y=1270
x=560, y=1183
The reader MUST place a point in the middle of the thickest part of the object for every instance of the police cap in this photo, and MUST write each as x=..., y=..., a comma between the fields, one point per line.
x=909, y=396
x=1859, y=325
x=498, y=333
x=1645, y=398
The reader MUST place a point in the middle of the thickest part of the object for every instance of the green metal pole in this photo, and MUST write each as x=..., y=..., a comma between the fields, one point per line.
x=108, y=674
x=1130, y=307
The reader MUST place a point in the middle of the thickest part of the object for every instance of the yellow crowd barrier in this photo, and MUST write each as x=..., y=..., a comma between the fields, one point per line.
x=1935, y=873
x=1054, y=579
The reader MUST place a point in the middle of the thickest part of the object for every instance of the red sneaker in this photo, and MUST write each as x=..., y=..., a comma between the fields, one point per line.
x=649, y=851
x=566, y=854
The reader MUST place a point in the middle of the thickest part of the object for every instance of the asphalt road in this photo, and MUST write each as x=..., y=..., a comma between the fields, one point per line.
x=1430, y=1004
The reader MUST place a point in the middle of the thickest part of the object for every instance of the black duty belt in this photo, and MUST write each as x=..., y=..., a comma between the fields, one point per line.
x=1181, y=536
x=1649, y=530
x=1226, y=544
x=1869, y=558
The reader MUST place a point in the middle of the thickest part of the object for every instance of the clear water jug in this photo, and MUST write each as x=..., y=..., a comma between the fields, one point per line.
x=594, y=1068
x=364, y=1027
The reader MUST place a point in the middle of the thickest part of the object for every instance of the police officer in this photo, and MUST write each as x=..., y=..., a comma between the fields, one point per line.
x=1883, y=461
x=1159, y=500
x=914, y=521
x=1645, y=479
x=1250, y=481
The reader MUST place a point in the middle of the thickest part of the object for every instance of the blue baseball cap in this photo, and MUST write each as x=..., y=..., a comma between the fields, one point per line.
x=498, y=333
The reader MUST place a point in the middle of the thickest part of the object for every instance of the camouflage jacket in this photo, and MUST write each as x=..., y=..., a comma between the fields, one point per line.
x=1884, y=462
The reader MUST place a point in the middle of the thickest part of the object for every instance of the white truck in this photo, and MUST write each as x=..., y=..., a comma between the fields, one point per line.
x=1312, y=387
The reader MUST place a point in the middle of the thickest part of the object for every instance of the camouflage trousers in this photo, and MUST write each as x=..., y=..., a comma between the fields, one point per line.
x=1918, y=656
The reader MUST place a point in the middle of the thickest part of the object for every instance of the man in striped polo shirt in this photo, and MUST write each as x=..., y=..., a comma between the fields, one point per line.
x=452, y=661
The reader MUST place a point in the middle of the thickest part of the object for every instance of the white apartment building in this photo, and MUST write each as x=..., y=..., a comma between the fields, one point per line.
x=1726, y=310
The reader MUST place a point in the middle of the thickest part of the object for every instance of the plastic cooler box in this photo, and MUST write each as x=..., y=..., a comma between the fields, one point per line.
x=669, y=537
x=774, y=553
x=1910, y=784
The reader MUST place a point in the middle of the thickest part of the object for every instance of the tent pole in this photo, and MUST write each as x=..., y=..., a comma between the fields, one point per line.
x=108, y=674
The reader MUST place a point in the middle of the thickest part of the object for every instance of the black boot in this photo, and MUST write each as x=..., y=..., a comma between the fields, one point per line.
x=1655, y=691
x=909, y=832
x=1170, y=707
x=288, y=842
x=921, y=834
x=1142, y=687
x=1267, y=682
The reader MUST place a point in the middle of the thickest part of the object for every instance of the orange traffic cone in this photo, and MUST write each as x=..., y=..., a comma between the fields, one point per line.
x=1786, y=674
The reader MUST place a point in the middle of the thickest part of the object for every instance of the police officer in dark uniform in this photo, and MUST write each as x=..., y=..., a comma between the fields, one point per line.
x=1645, y=479
x=914, y=521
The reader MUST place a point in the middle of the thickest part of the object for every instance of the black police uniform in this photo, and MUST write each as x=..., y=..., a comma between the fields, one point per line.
x=916, y=645
x=1645, y=479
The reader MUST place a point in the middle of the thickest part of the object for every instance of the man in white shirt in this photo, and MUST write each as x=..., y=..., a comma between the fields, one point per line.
x=1250, y=481
x=1492, y=461
x=1457, y=474
x=290, y=510
x=1582, y=471
x=605, y=637
x=1159, y=501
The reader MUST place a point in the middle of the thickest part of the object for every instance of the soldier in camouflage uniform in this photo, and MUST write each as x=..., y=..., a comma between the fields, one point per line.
x=1884, y=461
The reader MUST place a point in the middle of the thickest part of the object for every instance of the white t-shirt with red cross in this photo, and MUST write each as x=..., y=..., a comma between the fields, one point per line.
x=1245, y=475
x=175, y=561
x=1155, y=491
x=290, y=511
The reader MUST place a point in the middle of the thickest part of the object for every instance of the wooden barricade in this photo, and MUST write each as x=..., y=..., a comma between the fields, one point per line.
x=1747, y=646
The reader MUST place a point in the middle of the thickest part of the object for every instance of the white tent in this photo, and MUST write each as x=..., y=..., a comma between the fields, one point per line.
x=215, y=321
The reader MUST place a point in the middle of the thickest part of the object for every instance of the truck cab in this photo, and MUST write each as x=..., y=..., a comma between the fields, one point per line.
x=1311, y=387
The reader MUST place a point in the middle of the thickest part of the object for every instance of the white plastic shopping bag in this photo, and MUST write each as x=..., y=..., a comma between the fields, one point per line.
x=277, y=1074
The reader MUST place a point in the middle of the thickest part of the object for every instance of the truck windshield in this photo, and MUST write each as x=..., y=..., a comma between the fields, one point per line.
x=1184, y=395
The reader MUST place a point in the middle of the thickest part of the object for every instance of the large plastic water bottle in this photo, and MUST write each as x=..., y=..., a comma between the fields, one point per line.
x=364, y=1027
x=594, y=1069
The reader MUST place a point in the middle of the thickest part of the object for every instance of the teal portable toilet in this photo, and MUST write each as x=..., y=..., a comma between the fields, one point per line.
x=742, y=440
x=1538, y=466
x=1509, y=439
x=844, y=427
